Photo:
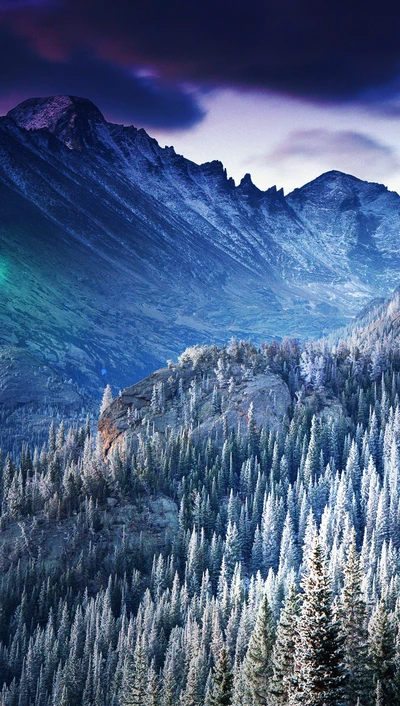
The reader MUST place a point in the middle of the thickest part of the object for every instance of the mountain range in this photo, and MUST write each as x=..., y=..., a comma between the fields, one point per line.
x=117, y=253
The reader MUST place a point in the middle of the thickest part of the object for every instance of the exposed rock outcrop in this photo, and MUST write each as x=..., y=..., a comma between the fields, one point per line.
x=202, y=394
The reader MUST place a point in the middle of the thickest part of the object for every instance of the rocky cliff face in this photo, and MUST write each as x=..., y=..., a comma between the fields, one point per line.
x=116, y=253
x=207, y=391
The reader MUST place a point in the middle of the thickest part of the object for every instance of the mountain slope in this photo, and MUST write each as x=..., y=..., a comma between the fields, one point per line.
x=117, y=253
x=375, y=331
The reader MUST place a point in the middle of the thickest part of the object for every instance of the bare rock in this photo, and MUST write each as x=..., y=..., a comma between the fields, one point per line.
x=200, y=397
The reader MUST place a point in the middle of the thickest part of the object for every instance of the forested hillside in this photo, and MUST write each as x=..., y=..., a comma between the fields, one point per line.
x=234, y=564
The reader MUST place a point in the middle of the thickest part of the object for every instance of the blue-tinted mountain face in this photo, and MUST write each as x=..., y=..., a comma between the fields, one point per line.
x=116, y=253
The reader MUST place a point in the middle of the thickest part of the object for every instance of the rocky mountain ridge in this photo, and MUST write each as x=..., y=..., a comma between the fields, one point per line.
x=117, y=253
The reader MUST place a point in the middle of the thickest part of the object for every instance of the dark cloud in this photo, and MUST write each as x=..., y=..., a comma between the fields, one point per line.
x=324, y=51
x=321, y=50
x=18, y=4
x=121, y=94
x=342, y=149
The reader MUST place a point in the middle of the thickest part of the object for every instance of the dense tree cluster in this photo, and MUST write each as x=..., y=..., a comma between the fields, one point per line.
x=281, y=584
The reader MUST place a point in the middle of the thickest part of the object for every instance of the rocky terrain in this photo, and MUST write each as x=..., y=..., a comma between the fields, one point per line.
x=34, y=393
x=132, y=528
x=195, y=392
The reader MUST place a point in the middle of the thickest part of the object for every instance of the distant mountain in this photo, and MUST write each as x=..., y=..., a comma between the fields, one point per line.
x=116, y=254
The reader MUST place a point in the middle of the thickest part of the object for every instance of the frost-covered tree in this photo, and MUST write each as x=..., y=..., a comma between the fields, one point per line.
x=257, y=666
x=282, y=680
x=354, y=629
x=106, y=399
x=222, y=681
x=319, y=669
x=382, y=652
x=134, y=681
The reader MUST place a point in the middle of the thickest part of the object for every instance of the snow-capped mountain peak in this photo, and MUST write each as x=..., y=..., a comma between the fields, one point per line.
x=74, y=121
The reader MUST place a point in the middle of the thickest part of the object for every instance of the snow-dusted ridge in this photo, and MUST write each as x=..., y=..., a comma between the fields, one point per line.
x=132, y=252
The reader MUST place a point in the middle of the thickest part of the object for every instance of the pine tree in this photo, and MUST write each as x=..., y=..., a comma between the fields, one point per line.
x=312, y=465
x=382, y=653
x=106, y=399
x=134, y=680
x=192, y=696
x=232, y=550
x=257, y=666
x=353, y=616
x=222, y=681
x=153, y=688
x=257, y=552
x=319, y=659
x=284, y=650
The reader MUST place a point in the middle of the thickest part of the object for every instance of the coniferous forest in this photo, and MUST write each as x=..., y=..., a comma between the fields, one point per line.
x=275, y=578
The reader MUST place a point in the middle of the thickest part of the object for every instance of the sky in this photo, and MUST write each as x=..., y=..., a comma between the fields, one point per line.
x=281, y=89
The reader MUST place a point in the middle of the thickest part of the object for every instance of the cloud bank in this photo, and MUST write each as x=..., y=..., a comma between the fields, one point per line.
x=332, y=51
x=344, y=150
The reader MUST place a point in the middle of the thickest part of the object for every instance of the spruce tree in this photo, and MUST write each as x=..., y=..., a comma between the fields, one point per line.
x=284, y=648
x=153, y=688
x=319, y=660
x=382, y=654
x=134, y=680
x=192, y=696
x=222, y=681
x=353, y=616
x=257, y=666
x=106, y=399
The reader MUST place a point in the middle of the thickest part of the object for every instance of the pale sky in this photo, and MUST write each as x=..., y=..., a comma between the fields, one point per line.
x=287, y=142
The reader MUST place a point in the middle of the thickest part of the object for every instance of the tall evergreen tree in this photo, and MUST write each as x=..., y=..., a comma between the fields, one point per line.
x=319, y=660
x=257, y=666
x=222, y=681
x=106, y=399
x=153, y=688
x=353, y=617
x=134, y=681
x=281, y=684
x=382, y=653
